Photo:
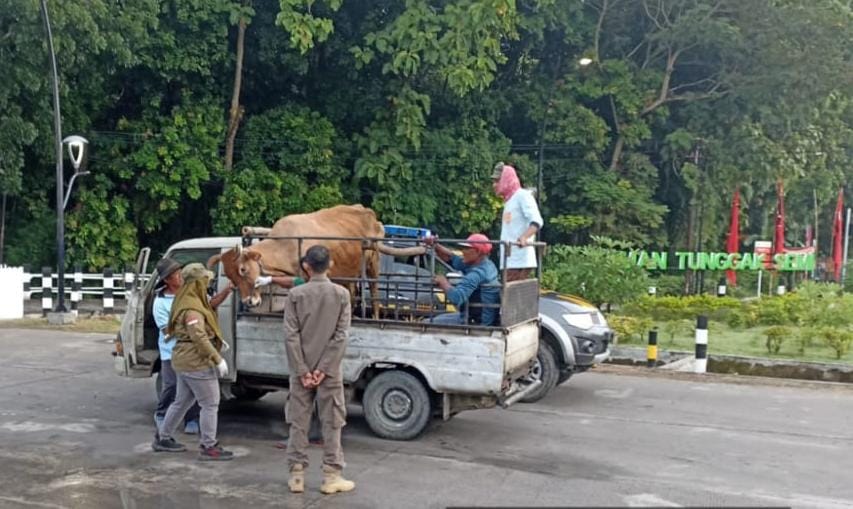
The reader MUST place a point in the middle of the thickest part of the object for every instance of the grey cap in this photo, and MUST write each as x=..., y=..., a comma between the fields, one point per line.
x=195, y=271
x=166, y=267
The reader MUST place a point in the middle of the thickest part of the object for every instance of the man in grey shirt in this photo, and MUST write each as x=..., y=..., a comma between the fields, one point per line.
x=316, y=325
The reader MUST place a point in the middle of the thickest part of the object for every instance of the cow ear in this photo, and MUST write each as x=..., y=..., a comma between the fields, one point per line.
x=253, y=255
x=213, y=260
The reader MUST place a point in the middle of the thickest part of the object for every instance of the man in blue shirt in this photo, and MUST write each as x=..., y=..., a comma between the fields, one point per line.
x=479, y=284
x=169, y=272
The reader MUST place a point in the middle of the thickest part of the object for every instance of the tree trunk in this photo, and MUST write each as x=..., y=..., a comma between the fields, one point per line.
x=236, y=112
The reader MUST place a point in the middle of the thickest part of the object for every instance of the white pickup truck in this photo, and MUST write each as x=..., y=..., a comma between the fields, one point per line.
x=403, y=372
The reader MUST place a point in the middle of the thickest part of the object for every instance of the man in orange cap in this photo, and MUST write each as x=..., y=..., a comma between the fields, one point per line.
x=479, y=283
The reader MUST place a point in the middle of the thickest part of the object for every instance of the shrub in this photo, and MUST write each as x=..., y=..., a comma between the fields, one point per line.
x=668, y=284
x=775, y=336
x=601, y=275
x=629, y=328
x=677, y=327
x=838, y=339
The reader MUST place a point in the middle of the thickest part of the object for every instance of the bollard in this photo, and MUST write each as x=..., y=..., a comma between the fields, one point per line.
x=652, y=351
x=721, y=287
x=652, y=291
x=46, y=291
x=28, y=291
x=780, y=290
x=108, y=290
x=76, y=289
x=701, y=344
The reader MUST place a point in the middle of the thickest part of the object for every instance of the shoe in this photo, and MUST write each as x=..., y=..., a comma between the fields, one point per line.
x=333, y=482
x=215, y=453
x=191, y=427
x=296, y=483
x=167, y=445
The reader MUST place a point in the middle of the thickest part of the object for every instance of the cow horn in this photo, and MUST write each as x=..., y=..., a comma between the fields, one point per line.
x=239, y=250
x=400, y=251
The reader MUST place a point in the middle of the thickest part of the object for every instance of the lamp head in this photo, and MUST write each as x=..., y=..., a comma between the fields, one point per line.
x=76, y=149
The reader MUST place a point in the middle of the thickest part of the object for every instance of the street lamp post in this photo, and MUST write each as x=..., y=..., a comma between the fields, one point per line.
x=76, y=148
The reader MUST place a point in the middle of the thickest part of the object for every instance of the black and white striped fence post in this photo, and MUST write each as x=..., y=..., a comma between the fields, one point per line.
x=76, y=289
x=128, y=281
x=46, y=291
x=28, y=292
x=701, y=344
x=109, y=302
x=652, y=351
x=721, y=287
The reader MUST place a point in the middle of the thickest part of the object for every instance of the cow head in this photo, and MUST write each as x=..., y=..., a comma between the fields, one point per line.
x=242, y=267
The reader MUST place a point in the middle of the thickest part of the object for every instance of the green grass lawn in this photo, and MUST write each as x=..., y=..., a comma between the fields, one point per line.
x=106, y=324
x=747, y=342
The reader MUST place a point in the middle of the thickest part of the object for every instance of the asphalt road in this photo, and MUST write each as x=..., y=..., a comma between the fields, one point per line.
x=73, y=434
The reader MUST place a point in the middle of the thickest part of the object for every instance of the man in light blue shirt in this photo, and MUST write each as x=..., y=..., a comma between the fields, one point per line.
x=170, y=276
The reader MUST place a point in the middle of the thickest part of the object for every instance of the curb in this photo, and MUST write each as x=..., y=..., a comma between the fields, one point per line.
x=739, y=365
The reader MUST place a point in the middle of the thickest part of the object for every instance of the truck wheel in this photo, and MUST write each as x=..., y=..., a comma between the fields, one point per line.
x=244, y=393
x=545, y=369
x=396, y=405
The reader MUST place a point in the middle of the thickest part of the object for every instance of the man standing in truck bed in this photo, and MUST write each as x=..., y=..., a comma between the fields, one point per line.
x=316, y=324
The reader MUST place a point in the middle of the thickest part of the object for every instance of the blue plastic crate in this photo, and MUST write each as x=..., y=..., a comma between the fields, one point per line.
x=406, y=232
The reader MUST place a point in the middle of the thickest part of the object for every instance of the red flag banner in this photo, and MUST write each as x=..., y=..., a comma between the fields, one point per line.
x=837, y=235
x=733, y=243
x=779, y=236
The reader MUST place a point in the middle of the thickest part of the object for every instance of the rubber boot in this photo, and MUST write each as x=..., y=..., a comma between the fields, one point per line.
x=333, y=482
x=296, y=483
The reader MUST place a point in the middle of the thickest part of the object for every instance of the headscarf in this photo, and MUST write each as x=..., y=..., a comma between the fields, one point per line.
x=193, y=295
x=508, y=182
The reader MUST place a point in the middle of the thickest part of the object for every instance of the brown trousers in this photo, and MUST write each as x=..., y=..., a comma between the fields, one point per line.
x=332, y=412
x=517, y=274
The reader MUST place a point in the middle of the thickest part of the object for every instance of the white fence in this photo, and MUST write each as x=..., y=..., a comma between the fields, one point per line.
x=104, y=287
x=11, y=293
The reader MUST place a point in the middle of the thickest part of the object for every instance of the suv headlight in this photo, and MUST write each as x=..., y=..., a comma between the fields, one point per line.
x=579, y=320
x=601, y=320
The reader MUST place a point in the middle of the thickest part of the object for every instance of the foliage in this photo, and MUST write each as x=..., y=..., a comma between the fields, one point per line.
x=775, y=336
x=598, y=274
x=838, y=339
x=629, y=328
x=682, y=308
x=406, y=106
x=673, y=328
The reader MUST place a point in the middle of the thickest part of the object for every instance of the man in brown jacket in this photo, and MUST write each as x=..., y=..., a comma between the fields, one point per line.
x=316, y=324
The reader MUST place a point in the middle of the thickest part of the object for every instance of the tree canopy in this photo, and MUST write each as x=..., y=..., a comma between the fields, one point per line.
x=207, y=115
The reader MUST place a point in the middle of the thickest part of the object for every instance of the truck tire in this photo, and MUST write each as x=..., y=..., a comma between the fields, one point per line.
x=396, y=405
x=244, y=393
x=544, y=369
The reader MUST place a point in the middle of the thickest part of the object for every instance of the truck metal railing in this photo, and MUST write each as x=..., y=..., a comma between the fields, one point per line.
x=370, y=301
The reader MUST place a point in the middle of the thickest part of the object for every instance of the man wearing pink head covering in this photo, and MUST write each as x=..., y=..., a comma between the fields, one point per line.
x=520, y=221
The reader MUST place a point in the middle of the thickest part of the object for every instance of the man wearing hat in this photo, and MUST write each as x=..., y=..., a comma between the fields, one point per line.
x=169, y=272
x=520, y=221
x=478, y=285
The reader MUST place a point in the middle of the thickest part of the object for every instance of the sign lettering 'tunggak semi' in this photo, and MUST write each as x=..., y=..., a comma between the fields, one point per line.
x=685, y=260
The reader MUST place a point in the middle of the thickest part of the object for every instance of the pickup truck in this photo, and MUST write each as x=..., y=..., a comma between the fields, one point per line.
x=404, y=373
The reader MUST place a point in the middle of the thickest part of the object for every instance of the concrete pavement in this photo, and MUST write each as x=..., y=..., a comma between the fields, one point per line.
x=73, y=434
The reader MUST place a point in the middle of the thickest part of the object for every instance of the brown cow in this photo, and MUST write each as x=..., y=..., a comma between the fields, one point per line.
x=281, y=256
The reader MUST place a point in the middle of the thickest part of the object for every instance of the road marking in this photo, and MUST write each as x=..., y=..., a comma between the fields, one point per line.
x=30, y=426
x=648, y=500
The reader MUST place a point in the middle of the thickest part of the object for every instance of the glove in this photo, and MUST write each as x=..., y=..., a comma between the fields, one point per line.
x=298, y=281
x=263, y=281
x=222, y=368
